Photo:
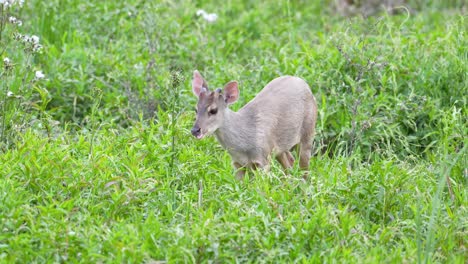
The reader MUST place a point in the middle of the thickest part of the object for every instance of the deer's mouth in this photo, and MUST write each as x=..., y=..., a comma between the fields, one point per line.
x=198, y=132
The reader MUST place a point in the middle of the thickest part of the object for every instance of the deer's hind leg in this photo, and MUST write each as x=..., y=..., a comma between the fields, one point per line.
x=305, y=151
x=307, y=136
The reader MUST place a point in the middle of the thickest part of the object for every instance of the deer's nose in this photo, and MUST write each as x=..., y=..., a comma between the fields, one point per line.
x=196, y=131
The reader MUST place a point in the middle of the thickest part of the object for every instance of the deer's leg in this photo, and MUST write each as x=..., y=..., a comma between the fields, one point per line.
x=307, y=136
x=305, y=149
x=240, y=171
x=260, y=164
x=286, y=159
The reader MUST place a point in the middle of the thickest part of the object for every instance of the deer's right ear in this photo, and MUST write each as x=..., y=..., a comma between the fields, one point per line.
x=231, y=92
x=198, y=83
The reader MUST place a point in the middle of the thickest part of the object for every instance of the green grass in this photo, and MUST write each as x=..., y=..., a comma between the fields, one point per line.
x=102, y=167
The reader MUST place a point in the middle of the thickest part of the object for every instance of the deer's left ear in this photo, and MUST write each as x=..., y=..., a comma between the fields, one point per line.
x=231, y=92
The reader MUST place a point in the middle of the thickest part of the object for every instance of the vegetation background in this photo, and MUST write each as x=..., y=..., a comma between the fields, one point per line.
x=97, y=163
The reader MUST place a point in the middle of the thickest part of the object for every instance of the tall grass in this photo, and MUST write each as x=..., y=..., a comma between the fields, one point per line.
x=99, y=164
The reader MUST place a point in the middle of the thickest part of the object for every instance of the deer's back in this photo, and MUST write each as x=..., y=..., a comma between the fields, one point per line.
x=277, y=112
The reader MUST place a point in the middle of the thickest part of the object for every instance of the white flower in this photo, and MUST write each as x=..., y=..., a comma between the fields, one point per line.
x=39, y=75
x=9, y=93
x=14, y=20
x=7, y=64
x=211, y=17
x=17, y=36
x=208, y=17
x=30, y=41
x=8, y=3
x=24, y=38
x=34, y=39
x=37, y=47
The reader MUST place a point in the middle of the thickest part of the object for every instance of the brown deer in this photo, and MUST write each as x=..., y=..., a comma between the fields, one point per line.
x=281, y=116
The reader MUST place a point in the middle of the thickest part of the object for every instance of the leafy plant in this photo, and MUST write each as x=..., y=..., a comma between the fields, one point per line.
x=19, y=77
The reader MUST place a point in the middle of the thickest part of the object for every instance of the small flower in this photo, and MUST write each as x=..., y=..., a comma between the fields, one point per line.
x=7, y=3
x=39, y=75
x=16, y=35
x=15, y=21
x=22, y=38
x=34, y=39
x=10, y=94
x=212, y=17
x=37, y=47
x=7, y=65
x=31, y=42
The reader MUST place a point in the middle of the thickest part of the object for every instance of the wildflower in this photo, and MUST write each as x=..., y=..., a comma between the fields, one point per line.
x=15, y=21
x=37, y=47
x=16, y=35
x=39, y=75
x=7, y=65
x=10, y=94
x=34, y=39
x=31, y=42
x=7, y=3
x=210, y=17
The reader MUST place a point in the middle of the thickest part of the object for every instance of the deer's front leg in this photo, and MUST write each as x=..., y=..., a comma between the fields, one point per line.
x=263, y=165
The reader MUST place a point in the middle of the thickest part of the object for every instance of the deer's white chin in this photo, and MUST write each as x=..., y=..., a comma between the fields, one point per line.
x=200, y=136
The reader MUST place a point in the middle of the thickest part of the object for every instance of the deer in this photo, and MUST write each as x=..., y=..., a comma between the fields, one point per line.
x=282, y=116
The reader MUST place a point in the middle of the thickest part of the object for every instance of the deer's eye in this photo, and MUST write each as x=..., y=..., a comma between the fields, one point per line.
x=213, y=111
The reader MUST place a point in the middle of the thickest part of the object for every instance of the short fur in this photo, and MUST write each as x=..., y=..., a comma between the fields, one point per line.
x=281, y=116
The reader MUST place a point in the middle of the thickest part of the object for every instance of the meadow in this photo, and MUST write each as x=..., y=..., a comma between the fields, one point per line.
x=98, y=165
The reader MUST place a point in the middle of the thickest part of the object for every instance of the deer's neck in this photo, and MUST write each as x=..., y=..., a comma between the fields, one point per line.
x=236, y=132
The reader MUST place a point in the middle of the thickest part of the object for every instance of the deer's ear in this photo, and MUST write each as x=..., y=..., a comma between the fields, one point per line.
x=231, y=92
x=198, y=83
